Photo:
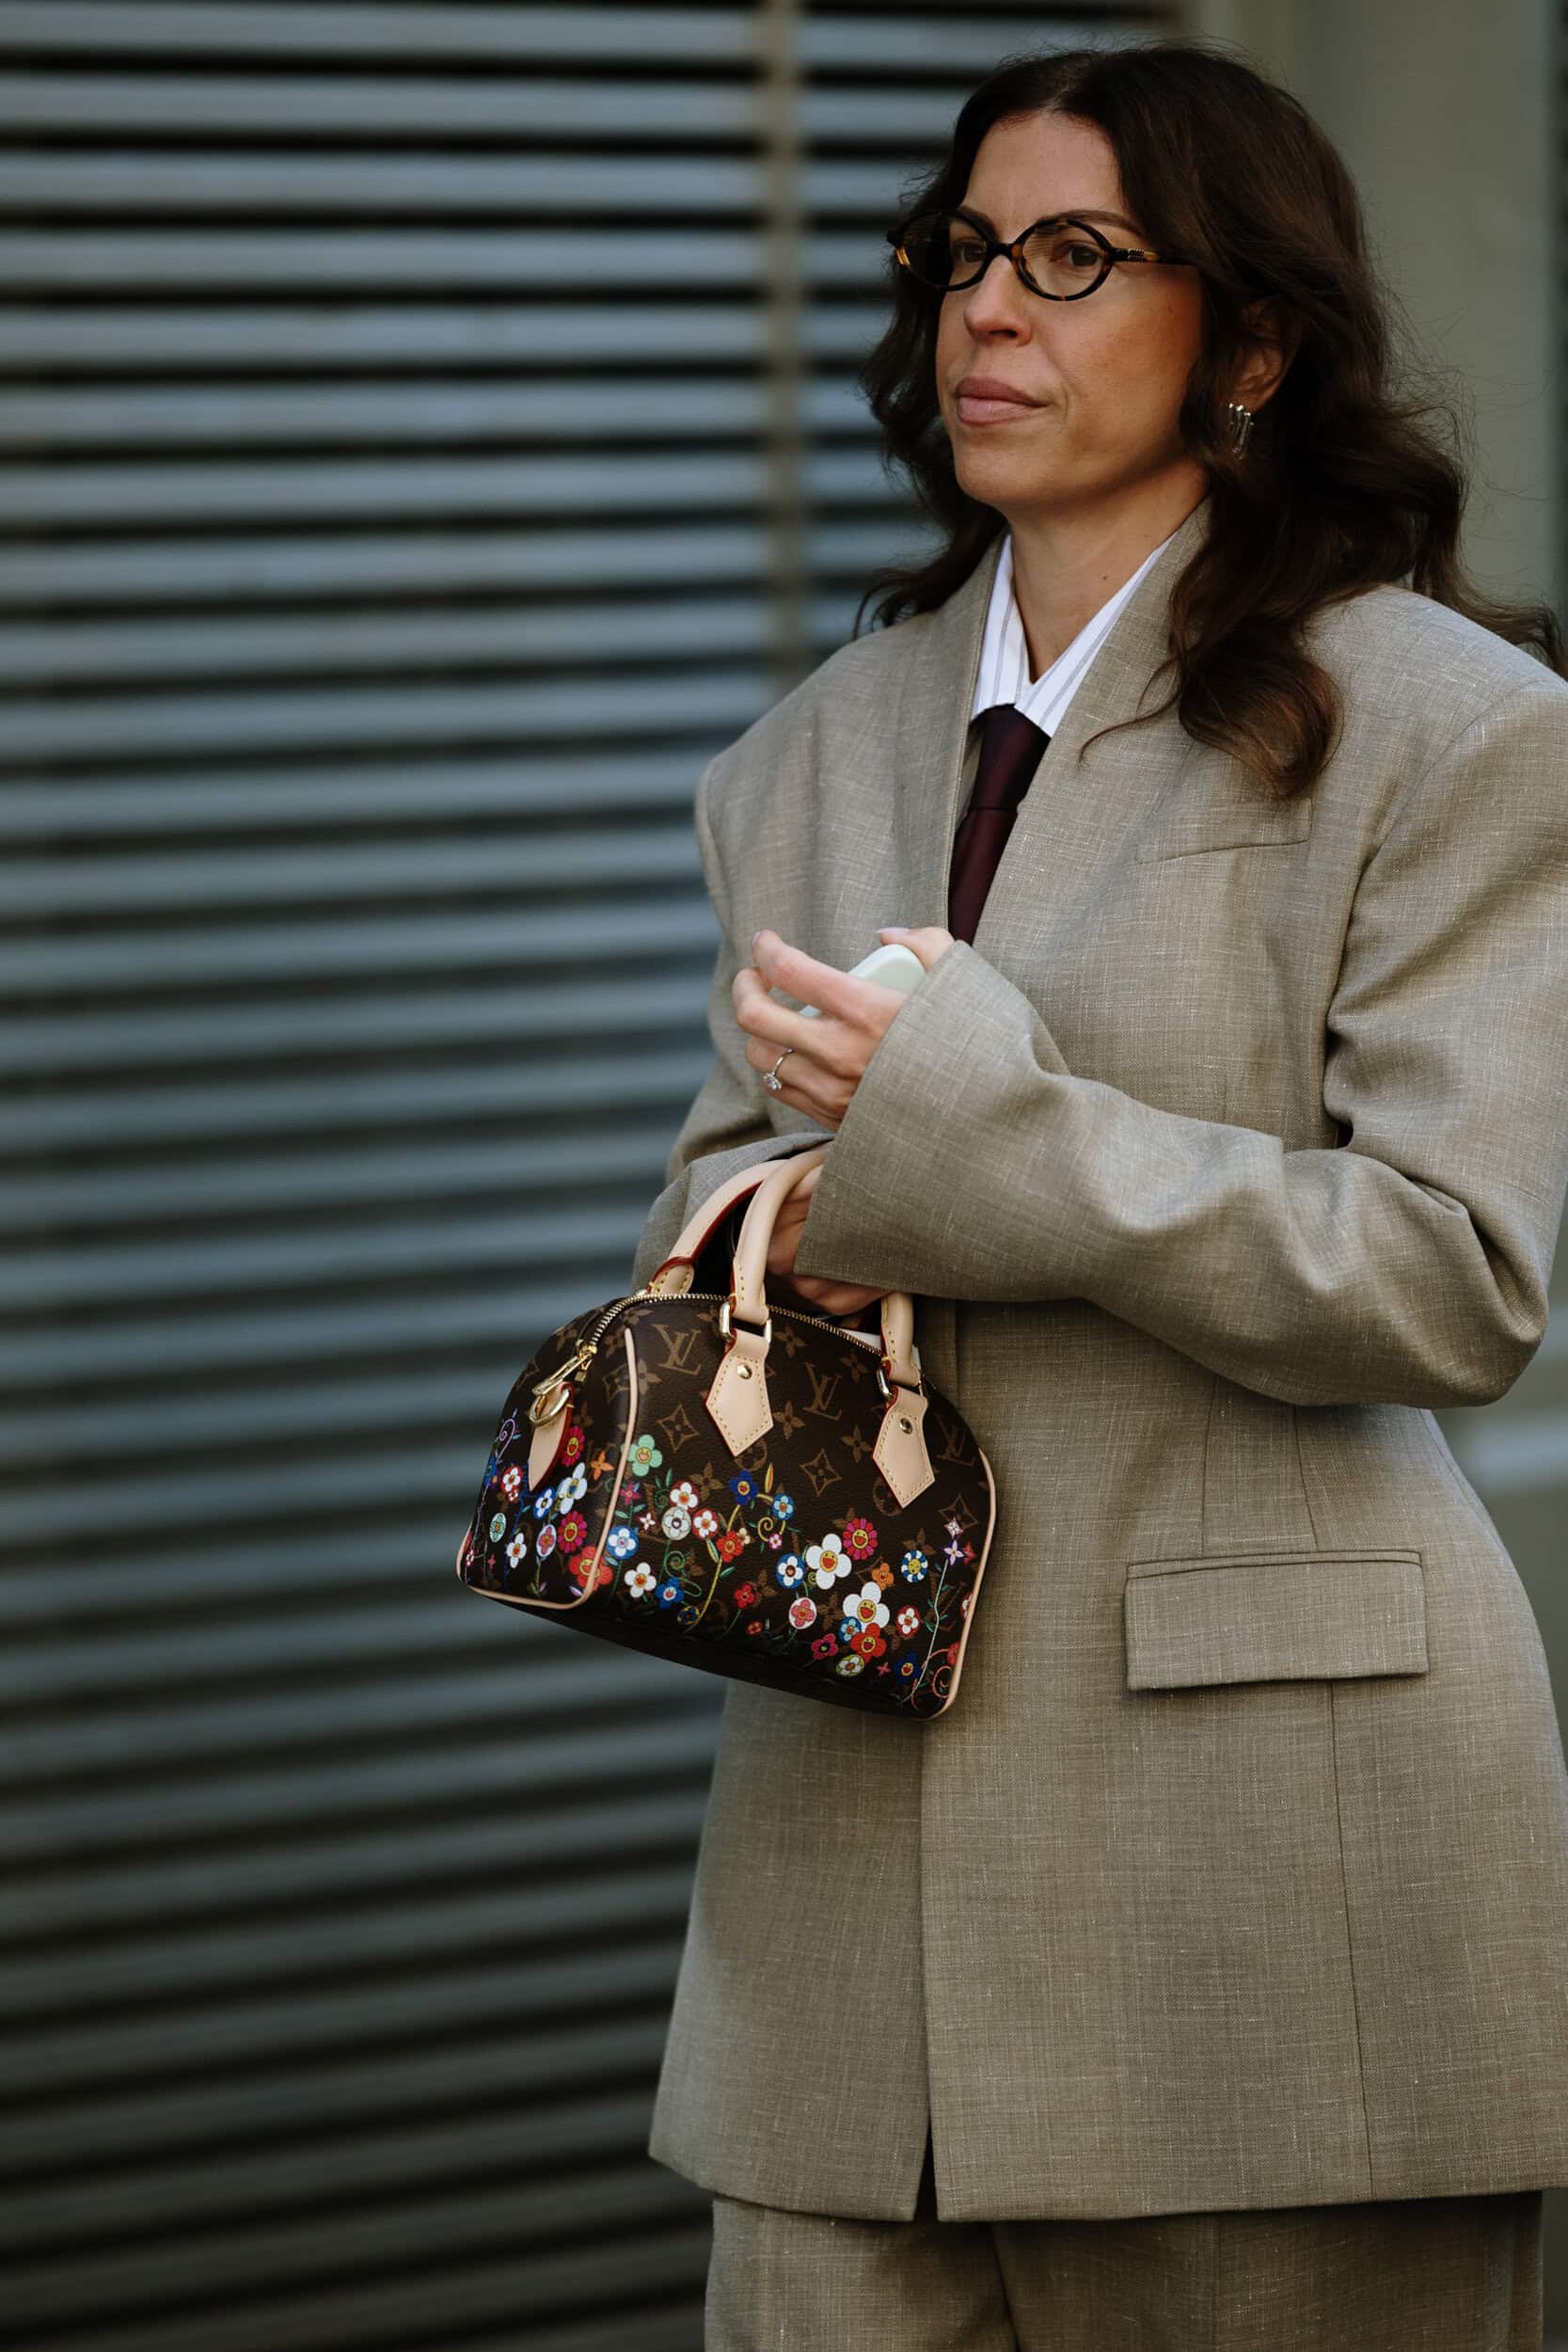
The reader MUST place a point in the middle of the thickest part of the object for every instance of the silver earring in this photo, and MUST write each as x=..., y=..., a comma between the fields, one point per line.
x=1241, y=426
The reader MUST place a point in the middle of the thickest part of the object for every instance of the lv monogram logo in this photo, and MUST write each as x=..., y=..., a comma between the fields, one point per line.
x=824, y=1388
x=680, y=1341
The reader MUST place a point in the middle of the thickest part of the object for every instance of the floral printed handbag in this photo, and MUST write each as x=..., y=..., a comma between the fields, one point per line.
x=755, y=1491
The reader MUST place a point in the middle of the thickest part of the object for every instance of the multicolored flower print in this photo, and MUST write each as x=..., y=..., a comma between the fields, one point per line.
x=817, y=1580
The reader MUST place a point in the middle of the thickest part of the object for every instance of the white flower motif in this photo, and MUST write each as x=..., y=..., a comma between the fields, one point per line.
x=828, y=1561
x=866, y=1607
x=676, y=1523
x=640, y=1578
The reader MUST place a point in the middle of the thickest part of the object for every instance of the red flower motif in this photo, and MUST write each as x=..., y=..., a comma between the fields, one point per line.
x=744, y=1596
x=731, y=1543
x=869, y=1642
x=755, y=1626
x=860, y=1539
x=825, y=1645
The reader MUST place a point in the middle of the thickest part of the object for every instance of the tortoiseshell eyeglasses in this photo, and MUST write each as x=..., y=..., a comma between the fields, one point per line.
x=1062, y=258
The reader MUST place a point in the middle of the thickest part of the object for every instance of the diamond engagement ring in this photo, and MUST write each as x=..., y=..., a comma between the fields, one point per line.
x=771, y=1077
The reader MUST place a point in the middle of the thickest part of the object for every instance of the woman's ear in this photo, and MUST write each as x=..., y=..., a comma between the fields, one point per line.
x=1273, y=342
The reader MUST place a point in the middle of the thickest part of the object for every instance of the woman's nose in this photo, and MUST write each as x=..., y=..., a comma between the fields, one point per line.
x=996, y=298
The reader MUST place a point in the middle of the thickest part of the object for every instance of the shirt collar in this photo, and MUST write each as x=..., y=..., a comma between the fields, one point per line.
x=1004, y=674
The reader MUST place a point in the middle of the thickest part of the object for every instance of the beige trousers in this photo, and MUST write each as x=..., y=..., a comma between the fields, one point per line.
x=1423, y=2274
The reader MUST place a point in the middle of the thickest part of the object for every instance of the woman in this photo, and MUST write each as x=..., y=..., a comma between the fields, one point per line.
x=1201, y=1976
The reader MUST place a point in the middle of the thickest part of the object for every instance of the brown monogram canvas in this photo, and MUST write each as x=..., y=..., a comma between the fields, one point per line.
x=791, y=1563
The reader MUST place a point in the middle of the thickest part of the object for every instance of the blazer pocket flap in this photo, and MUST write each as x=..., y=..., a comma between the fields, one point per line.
x=1240, y=827
x=1274, y=1616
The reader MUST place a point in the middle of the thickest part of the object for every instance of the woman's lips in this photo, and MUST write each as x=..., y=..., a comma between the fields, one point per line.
x=973, y=411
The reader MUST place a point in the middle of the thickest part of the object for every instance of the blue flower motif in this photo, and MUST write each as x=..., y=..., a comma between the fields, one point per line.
x=783, y=1507
x=669, y=1594
x=619, y=1543
x=743, y=1485
x=789, y=1569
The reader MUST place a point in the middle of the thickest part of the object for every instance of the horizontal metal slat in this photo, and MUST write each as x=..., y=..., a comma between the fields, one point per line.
x=325, y=1104
x=343, y=873
x=323, y=1177
x=427, y=107
x=307, y=262
x=364, y=2119
x=287, y=797
x=198, y=1344
x=168, y=2066
x=171, y=726
x=200, y=1963
x=103, y=1812
x=348, y=31
x=112, y=1274
x=160, y=340
x=258, y=1029
x=441, y=410
x=354, y=1861
x=221, y=2186
x=242, y=572
x=217, y=1734
x=345, y=2313
x=407, y=638
x=435, y=2224
x=250, y=1569
x=290, y=180
x=68, y=497
x=300, y=1410
x=853, y=40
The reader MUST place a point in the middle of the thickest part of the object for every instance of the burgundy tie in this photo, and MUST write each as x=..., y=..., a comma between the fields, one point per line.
x=1011, y=748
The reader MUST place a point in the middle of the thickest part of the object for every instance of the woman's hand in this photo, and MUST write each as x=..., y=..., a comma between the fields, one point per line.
x=831, y=1048
x=830, y=1051
x=827, y=1297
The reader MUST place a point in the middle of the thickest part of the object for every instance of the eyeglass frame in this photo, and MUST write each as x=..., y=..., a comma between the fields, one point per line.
x=1013, y=248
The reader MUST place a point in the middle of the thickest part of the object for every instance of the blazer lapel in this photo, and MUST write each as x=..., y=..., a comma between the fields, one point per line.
x=933, y=720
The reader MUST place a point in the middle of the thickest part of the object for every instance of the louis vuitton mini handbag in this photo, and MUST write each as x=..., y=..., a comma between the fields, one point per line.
x=750, y=1489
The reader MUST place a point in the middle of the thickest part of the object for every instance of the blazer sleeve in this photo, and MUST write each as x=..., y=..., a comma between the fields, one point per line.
x=727, y=1127
x=1407, y=1263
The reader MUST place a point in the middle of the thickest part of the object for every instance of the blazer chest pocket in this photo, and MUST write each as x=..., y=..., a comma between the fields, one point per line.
x=1269, y=1617
x=1244, y=825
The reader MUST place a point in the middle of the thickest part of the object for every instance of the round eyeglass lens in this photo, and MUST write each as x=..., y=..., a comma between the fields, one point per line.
x=946, y=251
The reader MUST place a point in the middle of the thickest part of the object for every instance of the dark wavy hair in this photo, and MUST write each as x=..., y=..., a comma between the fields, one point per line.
x=1344, y=483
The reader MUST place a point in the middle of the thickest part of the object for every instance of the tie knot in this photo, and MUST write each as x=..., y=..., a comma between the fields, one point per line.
x=1011, y=748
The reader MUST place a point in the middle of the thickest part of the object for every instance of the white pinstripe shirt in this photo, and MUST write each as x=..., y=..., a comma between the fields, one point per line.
x=1003, y=675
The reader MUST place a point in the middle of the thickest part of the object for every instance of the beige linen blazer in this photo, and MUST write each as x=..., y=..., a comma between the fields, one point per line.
x=1236, y=1874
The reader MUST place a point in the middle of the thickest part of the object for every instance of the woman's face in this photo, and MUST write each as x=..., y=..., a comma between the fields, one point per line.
x=1107, y=374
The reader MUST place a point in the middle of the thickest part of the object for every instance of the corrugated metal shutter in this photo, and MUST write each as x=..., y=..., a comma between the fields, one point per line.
x=417, y=462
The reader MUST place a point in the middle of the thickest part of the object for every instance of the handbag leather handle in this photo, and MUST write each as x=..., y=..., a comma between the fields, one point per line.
x=677, y=1271
x=750, y=1277
x=674, y=1275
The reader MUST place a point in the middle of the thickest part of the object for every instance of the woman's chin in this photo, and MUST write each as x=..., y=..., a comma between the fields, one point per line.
x=997, y=482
